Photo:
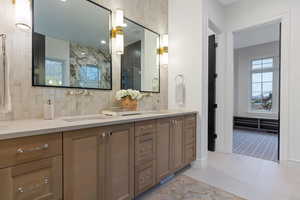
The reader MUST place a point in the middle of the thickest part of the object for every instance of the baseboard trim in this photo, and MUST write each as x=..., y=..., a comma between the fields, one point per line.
x=294, y=163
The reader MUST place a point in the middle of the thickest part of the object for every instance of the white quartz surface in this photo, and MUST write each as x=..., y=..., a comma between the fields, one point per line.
x=23, y=128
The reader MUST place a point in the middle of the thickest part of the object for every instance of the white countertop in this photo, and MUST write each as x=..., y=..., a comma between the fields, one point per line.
x=23, y=128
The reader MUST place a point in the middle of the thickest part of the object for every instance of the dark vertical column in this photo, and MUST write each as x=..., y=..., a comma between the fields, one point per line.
x=212, y=106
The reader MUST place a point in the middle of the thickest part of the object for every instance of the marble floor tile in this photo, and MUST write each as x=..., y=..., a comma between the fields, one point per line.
x=247, y=177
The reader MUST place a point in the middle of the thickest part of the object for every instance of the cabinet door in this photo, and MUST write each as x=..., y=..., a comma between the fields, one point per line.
x=38, y=180
x=163, y=149
x=178, y=143
x=120, y=162
x=190, y=126
x=144, y=177
x=84, y=158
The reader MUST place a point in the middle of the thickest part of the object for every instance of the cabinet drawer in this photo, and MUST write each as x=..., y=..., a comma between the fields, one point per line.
x=189, y=135
x=190, y=153
x=145, y=148
x=190, y=121
x=21, y=150
x=145, y=127
x=144, y=177
x=38, y=180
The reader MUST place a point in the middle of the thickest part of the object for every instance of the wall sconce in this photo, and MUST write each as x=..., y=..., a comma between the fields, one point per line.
x=22, y=14
x=163, y=51
x=118, y=32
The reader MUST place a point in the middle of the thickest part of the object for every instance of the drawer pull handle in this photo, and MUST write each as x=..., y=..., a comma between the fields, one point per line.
x=43, y=147
x=34, y=187
x=20, y=190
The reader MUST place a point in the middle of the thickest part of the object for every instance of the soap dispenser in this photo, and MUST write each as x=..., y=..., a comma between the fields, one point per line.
x=49, y=110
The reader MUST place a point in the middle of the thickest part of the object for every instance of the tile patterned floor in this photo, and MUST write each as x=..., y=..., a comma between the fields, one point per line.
x=186, y=188
x=256, y=144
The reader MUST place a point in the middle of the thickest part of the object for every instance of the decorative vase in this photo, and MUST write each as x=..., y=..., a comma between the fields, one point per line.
x=129, y=104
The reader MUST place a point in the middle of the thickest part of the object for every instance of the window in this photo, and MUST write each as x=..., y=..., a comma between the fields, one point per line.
x=89, y=76
x=54, y=72
x=262, y=72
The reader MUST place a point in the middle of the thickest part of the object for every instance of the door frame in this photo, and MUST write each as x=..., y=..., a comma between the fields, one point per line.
x=284, y=80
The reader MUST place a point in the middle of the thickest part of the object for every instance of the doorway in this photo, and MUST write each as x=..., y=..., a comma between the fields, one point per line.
x=256, y=120
x=212, y=105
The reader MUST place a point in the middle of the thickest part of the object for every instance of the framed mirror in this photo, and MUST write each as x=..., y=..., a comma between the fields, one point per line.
x=140, y=67
x=71, y=44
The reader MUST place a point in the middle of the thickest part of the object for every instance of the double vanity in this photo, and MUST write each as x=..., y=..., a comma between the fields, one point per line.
x=94, y=157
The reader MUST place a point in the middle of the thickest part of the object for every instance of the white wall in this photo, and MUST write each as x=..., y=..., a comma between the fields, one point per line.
x=188, y=24
x=185, y=57
x=242, y=69
x=217, y=24
x=188, y=55
x=251, y=12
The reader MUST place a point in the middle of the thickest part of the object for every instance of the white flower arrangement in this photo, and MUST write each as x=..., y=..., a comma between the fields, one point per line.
x=133, y=94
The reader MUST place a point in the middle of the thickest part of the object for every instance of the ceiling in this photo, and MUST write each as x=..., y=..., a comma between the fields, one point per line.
x=75, y=20
x=257, y=35
x=132, y=32
x=227, y=2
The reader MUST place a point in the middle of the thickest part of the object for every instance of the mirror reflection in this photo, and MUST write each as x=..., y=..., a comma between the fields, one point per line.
x=71, y=44
x=140, y=61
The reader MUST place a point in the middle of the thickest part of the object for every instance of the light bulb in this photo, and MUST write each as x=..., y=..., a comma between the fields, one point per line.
x=165, y=40
x=119, y=44
x=119, y=18
x=165, y=54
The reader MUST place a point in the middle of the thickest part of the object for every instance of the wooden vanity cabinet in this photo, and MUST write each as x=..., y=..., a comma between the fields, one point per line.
x=84, y=159
x=164, y=149
x=189, y=131
x=116, y=162
x=119, y=182
x=177, y=143
x=145, y=156
x=27, y=149
x=38, y=180
x=31, y=168
x=99, y=163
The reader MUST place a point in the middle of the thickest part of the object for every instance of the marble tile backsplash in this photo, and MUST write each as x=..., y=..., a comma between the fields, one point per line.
x=28, y=101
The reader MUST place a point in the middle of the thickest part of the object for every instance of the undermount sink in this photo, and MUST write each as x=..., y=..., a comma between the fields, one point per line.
x=103, y=116
x=84, y=118
x=156, y=112
x=133, y=113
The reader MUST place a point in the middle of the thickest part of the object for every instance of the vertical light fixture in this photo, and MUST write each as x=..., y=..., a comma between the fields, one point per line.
x=118, y=32
x=22, y=14
x=164, y=50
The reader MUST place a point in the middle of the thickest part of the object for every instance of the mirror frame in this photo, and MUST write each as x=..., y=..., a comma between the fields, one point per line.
x=69, y=87
x=125, y=18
